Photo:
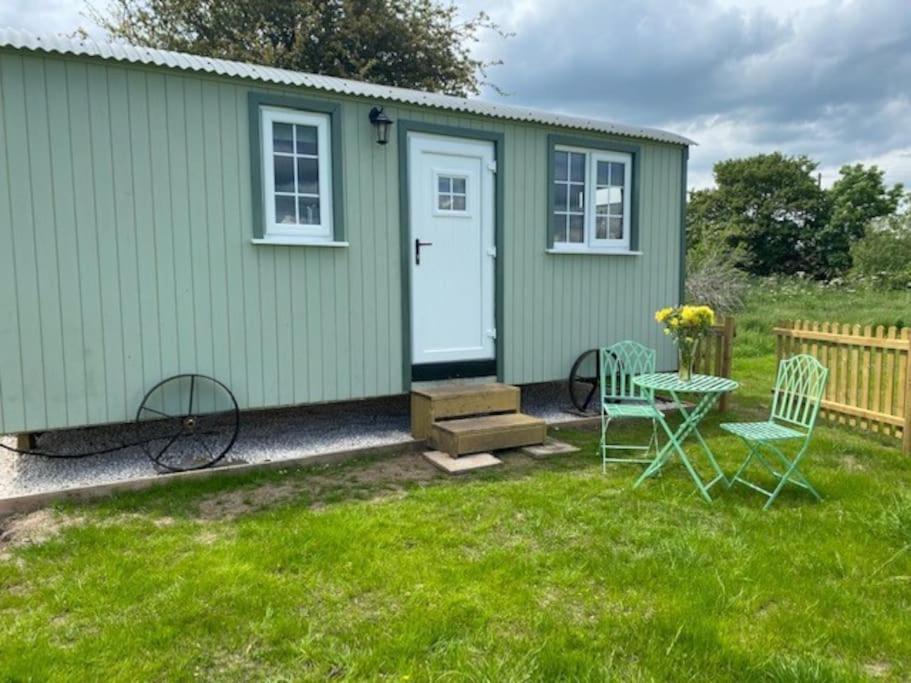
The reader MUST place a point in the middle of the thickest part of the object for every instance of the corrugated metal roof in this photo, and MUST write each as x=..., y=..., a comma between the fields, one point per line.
x=123, y=52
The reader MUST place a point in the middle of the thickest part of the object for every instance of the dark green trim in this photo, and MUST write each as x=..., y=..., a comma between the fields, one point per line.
x=402, y=129
x=429, y=372
x=684, y=159
x=255, y=100
x=635, y=151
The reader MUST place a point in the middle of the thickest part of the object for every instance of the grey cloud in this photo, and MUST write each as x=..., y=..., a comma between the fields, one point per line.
x=832, y=81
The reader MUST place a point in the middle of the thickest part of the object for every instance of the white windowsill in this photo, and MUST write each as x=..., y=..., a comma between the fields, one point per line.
x=593, y=252
x=297, y=242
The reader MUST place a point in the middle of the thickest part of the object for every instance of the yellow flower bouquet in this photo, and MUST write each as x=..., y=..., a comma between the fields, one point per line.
x=688, y=325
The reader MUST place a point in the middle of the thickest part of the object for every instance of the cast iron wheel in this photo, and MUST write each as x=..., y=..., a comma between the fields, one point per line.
x=584, y=382
x=188, y=422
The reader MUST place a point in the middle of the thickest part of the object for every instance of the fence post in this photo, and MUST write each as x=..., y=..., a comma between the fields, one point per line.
x=727, y=348
x=906, y=429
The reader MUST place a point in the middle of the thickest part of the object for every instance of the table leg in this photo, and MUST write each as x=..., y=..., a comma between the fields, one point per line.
x=702, y=409
x=689, y=426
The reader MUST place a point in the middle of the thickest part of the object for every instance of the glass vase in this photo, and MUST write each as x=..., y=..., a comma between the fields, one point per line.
x=686, y=360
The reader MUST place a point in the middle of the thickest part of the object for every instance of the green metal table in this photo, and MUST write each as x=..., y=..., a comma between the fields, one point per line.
x=706, y=390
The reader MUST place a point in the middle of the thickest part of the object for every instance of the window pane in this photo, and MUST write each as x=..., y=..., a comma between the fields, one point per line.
x=306, y=140
x=561, y=166
x=281, y=137
x=558, y=227
x=458, y=202
x=284, y=210
x=617, y=173
x=284, y=174
x=576, y=229
x=603, y=173
x=609, y=200
x=309, y=210
x=458, y=185
x=577, y=168
x=444, y=202
x=576, y=197
x=560, y=197
x=307, y=176
x=615, y=231
x=600, y=227
x=444, y=184
x=615, y=208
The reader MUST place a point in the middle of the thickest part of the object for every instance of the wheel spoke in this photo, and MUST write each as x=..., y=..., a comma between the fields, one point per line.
x=157, y=412
x=168, y=445
x=588, y=399
x=203, y=444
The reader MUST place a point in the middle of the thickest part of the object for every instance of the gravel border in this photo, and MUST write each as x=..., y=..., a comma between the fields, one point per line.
x=265, y=436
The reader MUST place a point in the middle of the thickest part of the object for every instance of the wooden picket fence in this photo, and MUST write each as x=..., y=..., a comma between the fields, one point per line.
x=713, y=356
x=869, y=373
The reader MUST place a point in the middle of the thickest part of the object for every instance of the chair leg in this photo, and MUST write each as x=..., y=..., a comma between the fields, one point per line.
x=605, y=447
x=792, y=474
x=745, y=464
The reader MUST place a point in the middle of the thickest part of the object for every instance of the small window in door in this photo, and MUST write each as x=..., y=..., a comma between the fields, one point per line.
x=452, y=194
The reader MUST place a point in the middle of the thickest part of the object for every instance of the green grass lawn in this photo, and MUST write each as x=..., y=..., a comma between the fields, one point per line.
x=539, y=570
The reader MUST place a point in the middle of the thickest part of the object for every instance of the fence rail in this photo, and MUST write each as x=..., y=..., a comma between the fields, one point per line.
x=714, y=353
x=869, y=372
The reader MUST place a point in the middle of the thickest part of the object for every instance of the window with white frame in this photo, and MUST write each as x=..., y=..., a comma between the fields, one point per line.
x=452, y=193
x=591, y=199
x=297, y=178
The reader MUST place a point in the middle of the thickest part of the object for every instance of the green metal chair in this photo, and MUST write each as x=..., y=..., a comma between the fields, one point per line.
x=799, y=390
x=620, y=398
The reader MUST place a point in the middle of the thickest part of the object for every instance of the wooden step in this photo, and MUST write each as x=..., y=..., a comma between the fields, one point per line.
x=487, y=433
x=431, y=404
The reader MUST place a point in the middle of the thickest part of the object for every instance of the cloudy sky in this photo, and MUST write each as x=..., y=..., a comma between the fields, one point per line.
x=826, y=78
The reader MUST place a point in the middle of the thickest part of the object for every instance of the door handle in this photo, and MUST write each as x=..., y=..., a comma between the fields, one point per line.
x=417, y=249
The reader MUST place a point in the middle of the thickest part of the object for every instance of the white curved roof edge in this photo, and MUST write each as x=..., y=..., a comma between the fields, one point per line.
x=124, y=52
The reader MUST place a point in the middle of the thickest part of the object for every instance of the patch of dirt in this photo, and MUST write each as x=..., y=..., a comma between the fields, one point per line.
x=35, y=527
x=852, y=464
x=206, y=537
x=877, y=669
x=383, y=479
x=233, y=504
x=409, y=467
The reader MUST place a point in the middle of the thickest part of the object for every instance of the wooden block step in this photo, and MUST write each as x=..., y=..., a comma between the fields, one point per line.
x=487, y=433
x=463, y=465
x=459, y=400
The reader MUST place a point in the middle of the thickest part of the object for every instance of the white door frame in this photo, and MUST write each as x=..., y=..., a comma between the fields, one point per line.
x=406, y=131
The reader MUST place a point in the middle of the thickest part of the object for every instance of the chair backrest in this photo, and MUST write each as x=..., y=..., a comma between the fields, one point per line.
x=799, y=390
x=619, y=363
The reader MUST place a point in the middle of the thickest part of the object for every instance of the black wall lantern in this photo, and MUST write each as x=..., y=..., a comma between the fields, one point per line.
x=382, y=123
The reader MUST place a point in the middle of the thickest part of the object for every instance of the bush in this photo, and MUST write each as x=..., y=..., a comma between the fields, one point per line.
x=883, y=257
x=713, y=280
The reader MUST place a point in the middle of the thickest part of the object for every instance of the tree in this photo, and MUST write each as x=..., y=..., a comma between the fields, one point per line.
x=854, y=200
x=883, y=256
x=764, y=209
x=408, y=43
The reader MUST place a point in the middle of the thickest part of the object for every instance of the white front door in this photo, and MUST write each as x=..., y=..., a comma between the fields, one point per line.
x=452, y=249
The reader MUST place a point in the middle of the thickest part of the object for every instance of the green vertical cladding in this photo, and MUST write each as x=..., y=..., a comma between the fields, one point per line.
x=127, y=204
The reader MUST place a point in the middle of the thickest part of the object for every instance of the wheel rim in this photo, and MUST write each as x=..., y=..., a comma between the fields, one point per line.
x=584, y=380
x=188, y=422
